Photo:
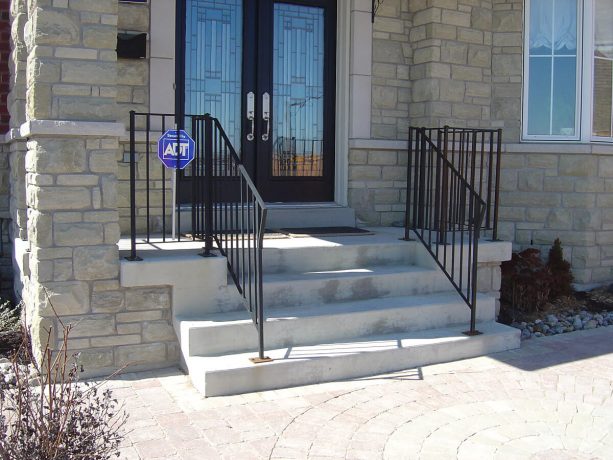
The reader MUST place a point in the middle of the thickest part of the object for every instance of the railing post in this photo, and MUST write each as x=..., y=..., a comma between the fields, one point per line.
x=208, y=186
x=421, y=205
x=475, y=266
x=497, y=186
x=133, y=256
x=408, y=198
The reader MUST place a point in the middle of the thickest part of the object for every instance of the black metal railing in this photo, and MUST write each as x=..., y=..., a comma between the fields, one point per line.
x=226, y=210
x=234, y=215
x=475, y=153
x=446, y=212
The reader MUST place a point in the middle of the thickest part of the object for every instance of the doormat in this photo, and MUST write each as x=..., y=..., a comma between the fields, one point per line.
x=324, y=231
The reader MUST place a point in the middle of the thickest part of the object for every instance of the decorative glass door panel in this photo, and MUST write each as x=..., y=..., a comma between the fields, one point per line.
x=298, y=90
x=266, y=70
x=213, y=62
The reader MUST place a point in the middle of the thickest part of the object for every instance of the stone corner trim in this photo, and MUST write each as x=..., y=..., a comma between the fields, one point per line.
x=72, y=128
x=11, y=136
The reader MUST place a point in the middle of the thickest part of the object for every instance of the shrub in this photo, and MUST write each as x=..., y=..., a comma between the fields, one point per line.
x=56, y=416
x=9, y=317
x=526, y=281
x=560, y=272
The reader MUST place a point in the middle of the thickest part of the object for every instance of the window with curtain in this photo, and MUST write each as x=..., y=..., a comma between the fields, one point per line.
x=552, y=68
x=568, y=65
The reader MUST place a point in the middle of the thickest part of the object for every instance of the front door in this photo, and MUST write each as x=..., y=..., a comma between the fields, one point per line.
x=266, y=70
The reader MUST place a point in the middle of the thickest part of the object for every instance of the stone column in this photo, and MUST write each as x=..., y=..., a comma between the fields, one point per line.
x=71, y=185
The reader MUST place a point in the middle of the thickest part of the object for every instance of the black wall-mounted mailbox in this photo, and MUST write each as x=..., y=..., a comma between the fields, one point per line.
x=132, y=46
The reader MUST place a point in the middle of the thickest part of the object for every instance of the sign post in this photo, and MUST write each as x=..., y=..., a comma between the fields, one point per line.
x=176, y=150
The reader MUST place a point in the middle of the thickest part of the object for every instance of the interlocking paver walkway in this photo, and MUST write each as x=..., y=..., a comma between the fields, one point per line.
x=552, y=399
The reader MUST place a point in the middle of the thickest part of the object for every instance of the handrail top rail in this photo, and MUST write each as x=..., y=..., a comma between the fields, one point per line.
x=452, y=168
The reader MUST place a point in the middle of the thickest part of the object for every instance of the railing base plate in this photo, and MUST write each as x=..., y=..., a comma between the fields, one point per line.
x=259, y=360
x=210, y=254
x=133, y=259
x=472, y=333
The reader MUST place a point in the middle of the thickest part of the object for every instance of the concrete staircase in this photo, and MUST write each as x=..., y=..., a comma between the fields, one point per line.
x=336, y=308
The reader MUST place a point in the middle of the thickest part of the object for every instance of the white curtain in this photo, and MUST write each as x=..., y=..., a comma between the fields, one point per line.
x=553, y=24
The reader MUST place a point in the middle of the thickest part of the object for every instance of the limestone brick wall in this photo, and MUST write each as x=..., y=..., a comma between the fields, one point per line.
x=391, y=59
x=377, y=185
x=132, y=74
x=5, y=48
x=70, y=266
x=507, y=26
x=452, y=63
x=561, y=191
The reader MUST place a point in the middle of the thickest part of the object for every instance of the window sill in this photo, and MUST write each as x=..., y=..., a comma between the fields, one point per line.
x=587, y=148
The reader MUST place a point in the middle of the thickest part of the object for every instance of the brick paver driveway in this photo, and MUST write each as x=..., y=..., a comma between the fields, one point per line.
x=551, y=399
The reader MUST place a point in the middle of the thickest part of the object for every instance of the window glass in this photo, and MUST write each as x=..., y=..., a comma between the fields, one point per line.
x=603, y=68
x=552, y=61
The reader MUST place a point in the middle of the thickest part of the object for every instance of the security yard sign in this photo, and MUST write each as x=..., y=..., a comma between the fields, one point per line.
x=176, y=149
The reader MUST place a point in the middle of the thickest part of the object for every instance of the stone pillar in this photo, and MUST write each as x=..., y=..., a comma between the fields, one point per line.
x=452, y=63
x=16, y=104
x=71, y=184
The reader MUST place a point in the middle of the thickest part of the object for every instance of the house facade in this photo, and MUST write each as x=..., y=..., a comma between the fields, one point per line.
x=338, y=81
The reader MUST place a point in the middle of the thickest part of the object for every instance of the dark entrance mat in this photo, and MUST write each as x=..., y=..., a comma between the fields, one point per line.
x=324, y=231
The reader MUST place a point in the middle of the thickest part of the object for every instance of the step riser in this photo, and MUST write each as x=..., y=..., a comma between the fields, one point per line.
x=242, y=337
x=325, y=369
x=336, y=257
x=311, y=292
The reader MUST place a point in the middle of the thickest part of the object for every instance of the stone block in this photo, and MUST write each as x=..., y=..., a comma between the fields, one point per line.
x=578, y=200
x=147, y=298
x=95, y=6
x=605, y=167
x=38, y=101
x=90, y=325
x=139, y=316
x=53, y=27
x=454, y=52
x=131, y=72
x=474, y=89
x=40, y=228
x=64, y=298
x=480, y=56
x=43, y=70
x=531, y=181
x=559, y=219
x=116, y=340
x=93, y=359
x=578, y=165
x=455, y=18
x=466, y=73
x=100, y=36
x=481, y=18
x=92, y=109
x=78, y=234
x=159, y=331
x=441, y=31
x=507, y=21
x=56, y=156
x=358, y=157
x=364, y=173
x=97, y=262
x=62, y=270
x=94, y=73
x=385, y=157
x=129, y=328
x=77, y=179
x=140, y=354
x=133, y=17
x=507, y=64
x=384, y=97
x=107, y=301
x=425, y=90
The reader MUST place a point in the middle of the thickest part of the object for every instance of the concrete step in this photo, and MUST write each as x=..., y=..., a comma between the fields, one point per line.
x=297, y=255
x=330, y=286
x=234, y=332
x=364, y=356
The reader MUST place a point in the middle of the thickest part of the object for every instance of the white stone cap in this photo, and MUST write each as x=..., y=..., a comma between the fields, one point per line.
x=11, y=135
x=72, y=128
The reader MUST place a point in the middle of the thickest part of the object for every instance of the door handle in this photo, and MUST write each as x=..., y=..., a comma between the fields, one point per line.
x=251, y=114
x=266, y=115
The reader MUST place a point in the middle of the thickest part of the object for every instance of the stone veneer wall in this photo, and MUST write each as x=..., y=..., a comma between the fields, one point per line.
x=70, y=268
x=5, y=49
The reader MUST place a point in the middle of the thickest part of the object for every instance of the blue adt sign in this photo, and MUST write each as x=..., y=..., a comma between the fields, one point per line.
x=176, y=149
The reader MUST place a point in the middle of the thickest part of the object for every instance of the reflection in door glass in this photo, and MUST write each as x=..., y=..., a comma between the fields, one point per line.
x=298, y=90
x=213, y=54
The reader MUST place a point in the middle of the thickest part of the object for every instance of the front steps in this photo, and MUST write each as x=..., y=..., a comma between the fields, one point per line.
x=337, y=308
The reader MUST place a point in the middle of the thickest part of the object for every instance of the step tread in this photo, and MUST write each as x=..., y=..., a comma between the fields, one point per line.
x=338, y=308
x=358, y=272
x=360, y=345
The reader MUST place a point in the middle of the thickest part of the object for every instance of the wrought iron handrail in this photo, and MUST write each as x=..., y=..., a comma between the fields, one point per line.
x=446, y=213
x=226, y=208
x=234, y=216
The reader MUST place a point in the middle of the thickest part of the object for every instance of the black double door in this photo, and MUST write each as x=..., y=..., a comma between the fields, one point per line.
x=266, y=70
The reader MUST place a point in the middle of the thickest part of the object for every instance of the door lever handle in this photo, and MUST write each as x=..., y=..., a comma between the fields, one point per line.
x=266, y=115
x=251, y=115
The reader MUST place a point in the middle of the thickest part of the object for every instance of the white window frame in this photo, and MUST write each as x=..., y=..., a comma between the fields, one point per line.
x=585, y=78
